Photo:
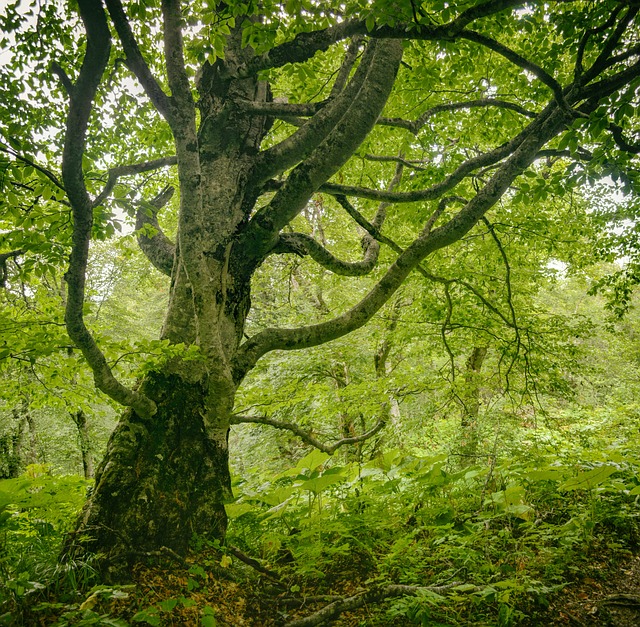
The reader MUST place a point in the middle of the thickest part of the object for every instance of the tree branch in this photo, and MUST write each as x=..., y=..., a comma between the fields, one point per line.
x=50, y=175
x=618, y=136
x=520, y=61
x=538, y=133
x=415, y=125
x=302, y=244
x=306, y=436
x=57, y=70
x=157, y=248
x=346, y=66
x=284, y=110
x=374, y=232
x=84, y=90
x=413, y=164
x=306, y=139
x=305, y=45
x=578, y=69
x=375, y=595
x=174, y=58
x=334, y=150
x=601, y=63
x=129, y=170
x=135, y=61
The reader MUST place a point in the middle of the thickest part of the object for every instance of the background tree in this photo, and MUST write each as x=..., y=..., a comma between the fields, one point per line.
x=469, y=98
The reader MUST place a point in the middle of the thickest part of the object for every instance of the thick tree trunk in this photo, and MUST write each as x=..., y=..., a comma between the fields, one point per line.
x=160, y=483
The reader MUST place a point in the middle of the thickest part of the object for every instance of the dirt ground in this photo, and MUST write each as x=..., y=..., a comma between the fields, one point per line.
x=607, y=597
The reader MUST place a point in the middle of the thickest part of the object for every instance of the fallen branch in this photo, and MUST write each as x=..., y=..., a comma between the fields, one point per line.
x=250, y=561
x=347, y=604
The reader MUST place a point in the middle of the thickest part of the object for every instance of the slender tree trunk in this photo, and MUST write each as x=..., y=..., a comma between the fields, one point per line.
x=340, y=375
x=26, y=435
x=80, y=419
x=470, y=401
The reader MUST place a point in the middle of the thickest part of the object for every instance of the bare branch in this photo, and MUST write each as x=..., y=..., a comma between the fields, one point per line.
x=158, y=248
x=129, y=170
x=306, y=436
x=366, y=597
x=135, y=61
x=413, y=164
x=347, y=64
x=281, y=109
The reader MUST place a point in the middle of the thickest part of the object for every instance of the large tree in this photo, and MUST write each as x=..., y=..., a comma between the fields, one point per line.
x=263, y=106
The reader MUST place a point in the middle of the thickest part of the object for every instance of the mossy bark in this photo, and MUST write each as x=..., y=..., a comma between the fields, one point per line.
x=160, y=483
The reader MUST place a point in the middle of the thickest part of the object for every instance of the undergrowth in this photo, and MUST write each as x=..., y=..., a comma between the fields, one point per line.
x=487, y=544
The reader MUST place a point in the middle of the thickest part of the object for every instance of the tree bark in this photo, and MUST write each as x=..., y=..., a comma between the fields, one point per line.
x=160, y=483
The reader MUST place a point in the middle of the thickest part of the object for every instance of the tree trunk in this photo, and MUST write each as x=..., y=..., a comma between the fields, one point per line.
x=470, y=401
x=160, y=483
x=80, y=418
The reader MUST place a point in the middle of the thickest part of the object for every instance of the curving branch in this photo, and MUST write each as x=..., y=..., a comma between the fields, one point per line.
x=306, y=139
x=302, y=244
x=374, y=232
x=56, y=70
x=520, y=61
x=602, y=62
x=84, y=90
x=306, y=436
x=262, y=232
x=135, y=61
x=157, y=247
x=374, y=595
x=579, y=68
x=546, y=126
x=346, y=66
x=415, y=125
x=305, y=45
x=48, y=173
x=618, y=136
x=128, y=170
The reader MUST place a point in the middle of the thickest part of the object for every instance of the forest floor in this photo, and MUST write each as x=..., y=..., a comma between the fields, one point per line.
x=605, y=594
